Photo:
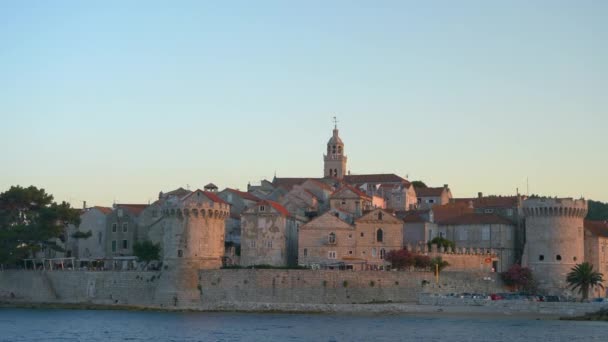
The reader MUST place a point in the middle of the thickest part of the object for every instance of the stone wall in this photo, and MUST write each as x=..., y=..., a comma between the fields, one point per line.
x=335, y=287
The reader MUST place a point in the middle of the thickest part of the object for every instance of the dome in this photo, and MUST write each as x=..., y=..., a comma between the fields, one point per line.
x=335, y=139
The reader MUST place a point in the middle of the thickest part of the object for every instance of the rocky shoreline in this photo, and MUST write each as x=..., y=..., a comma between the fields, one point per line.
x=529, y=311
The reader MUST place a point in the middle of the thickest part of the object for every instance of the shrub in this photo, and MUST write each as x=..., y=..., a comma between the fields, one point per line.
x=439, y=241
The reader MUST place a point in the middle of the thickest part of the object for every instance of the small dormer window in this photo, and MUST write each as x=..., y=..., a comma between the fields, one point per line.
x=262, y=208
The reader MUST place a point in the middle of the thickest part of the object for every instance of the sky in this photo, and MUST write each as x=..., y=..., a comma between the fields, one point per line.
x=115, y=101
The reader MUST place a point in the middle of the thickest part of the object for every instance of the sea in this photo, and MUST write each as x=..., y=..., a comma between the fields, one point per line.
x=109, y=325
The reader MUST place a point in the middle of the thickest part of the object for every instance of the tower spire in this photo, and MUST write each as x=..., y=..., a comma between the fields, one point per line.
x=335, y=120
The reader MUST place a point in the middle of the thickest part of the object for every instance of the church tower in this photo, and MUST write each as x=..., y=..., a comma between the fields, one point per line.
x=334, y=160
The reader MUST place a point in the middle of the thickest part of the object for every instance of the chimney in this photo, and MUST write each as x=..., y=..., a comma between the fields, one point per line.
x=479, y=194
x=84, y=204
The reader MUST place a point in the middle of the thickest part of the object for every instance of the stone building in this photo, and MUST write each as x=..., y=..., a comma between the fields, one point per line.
x=485, y=231
x=332, y=242
x=334, y=162
x=554, y=240
x=350, y=199
x=596, y=250
x=93, y=220
x=419, y=228
x=397, y=192
x=239, y=201
x=327, y=240
x=269, y=235
x=193, y=230
x=430, y=197
x=123, y=229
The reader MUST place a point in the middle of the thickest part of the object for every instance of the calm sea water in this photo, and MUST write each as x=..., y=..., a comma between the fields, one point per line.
x=82, y=325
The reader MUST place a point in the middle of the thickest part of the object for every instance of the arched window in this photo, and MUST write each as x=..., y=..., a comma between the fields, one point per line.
x=379, y=235
x=558, y=257
x=332, y=238
x=333, y=149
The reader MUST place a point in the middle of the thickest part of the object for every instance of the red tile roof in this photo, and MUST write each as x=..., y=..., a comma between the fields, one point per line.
x=491, y=201
x=244, y=195
x=351, y=188
x=474, y=218
x=104, y=210
x=598, y=228
x=450, y=210
x=213, y=197
x=281, y=209
x=429, y=192
x=134, y=209
x=374, y=178
x=414, y=218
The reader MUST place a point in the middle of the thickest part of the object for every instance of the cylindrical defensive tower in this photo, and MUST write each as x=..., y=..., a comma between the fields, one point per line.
x=554, y=240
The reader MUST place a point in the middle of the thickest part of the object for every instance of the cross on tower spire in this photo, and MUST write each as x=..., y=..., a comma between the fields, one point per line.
x=335, y=122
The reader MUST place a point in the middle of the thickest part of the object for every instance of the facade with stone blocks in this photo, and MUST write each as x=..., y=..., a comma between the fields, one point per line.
x=93, y=220
x=554, y=239
x=268, y=235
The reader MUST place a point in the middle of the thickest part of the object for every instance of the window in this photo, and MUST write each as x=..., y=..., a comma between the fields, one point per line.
x=382, y=253
x=574, y=258
x=541, y=257
x=558, y=257
x=125, y=227
x=332, y=238
x=488, y=211
x=362, y=234
x=343, y=202
x=305, y=251
x=180, y=253
x=462, y=233
x=269, y=244
x=350, y=236
x=509, y=212
x=262, y=208
x=331, y=255
x=114, y=227
x=374, y=251
x=99, y=237
x=509, y=233
x=431, y=201
x=379, y=235
x=125, y=244
x=485, y=233
x=350, y=252
x=252, y=243
x=113, y=245
x=379, y=215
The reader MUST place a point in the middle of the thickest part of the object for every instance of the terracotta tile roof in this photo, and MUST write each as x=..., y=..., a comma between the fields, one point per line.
x=374, y=178
x=450, y=210
x=598, y=228
x=414, y=218
x=491, y=201
x=281, y=209
x=244, y=195
x=104, y=210
x=429, y=192
x=321, y=184
x=288, y=183
x=213, y=197
x=474, y=218
x=351, y=188
x=134, y=209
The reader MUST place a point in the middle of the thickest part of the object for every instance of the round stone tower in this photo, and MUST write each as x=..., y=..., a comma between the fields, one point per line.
x=194, y=231
x=554, y=240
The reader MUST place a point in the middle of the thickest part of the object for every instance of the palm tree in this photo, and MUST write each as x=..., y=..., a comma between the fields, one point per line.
x=584, y=278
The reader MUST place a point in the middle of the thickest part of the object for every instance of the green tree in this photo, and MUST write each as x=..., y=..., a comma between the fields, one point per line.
x=598, y=211
x=30, y=221
x=438, y=263
x=146, y=251
x=419, y=184
x=584, y=278
x=441, y=242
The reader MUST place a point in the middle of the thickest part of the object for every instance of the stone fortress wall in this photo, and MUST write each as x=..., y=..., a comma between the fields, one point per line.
x=209, y=288
x=554, y=239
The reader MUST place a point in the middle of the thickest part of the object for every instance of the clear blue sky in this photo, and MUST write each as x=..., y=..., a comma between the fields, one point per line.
x=118, y=100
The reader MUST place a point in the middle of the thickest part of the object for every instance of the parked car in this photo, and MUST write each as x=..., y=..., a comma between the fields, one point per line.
x=497, y=296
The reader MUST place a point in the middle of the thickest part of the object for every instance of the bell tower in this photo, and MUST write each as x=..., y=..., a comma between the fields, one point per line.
x=335, y=160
